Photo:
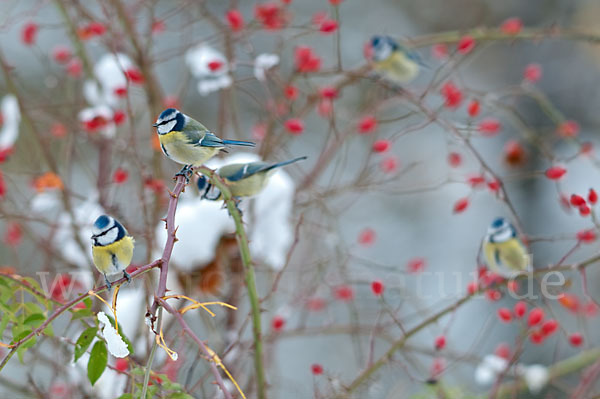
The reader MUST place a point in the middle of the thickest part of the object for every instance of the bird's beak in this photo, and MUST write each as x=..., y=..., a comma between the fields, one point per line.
x=155, y=125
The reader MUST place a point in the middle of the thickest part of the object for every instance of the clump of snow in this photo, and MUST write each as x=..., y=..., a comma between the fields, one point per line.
x=536, y=376
x=264, y=62
x=116, y=346
x=11, y=118
x=210, y=67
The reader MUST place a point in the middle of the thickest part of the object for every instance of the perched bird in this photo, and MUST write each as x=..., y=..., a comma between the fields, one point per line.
x=112, y=247
x=394, y=62
x=187, y=141
x=504, y=252
x=243, y=179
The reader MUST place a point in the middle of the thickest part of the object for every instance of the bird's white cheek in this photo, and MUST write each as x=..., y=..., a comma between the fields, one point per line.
x=167, y=127
x=109, y=237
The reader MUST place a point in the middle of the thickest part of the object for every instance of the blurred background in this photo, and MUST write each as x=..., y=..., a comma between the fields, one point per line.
x=411, y=216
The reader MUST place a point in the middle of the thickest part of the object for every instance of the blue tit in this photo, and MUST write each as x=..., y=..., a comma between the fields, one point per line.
x=394, y=62
x=243, y=179
x=112, y=247
x=504, y=252
x=188, y=142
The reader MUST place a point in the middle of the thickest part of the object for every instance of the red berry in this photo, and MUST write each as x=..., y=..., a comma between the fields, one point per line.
x=576, y=339
x=535, y=316
x=439, y=51
x=75, y=67
x=520, y=309
x=61, y=54
x=291, y=92
x=316, y=369
x=452, y=95
x=29, y=33
x=476, y=181
x=235, y=19
x=367, y=237
x=377, y=287
x=294, y=126
x=454, y=159
x=505, y=315
x=532, y=73
x=511, y=26
x=473, y=108
x=460, y=205
x=569, y=301
x=555, y=172
x=465, y=44
x=119, y=117
x=315, y=304
x=514, y=153
x=120, y=176
x=58, y=130
x=493, y=295
x=306, y=60
x=277, y=323
x=586, y=236
x=584, y=210
x=381, y=145
x=489, y=127
x=577, y=200
x=472, y=287
x=134, y=75
x=592, y=196
x=536, y=337
x=13, y=234
x=493, y=185
x=503, y=351
x=328, y=92
x=440, y=342
x=344, y=293
x=367, y=124
x=549, y=327
x=568, y=129
x=389, y=164
x=122, y=364
x=416, y=265
x=328, y=26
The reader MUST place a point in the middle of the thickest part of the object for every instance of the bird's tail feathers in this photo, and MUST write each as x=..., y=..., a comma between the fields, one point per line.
x=284, y=163
x=239, y=142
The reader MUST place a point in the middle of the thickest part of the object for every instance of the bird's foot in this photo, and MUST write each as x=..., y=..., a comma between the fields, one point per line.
x=186, y=172
x=127, y=276
x=108, y=283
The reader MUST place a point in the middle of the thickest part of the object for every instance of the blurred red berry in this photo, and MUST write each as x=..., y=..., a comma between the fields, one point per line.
x=512, y=26
x=335, y=2
x=259, y=131
x=328, y=26
x=476, y=181
x=569, y=301
x=291, y=92
x=367, y=124
x=520, y=309
x=325, y=108
x=13, y=234
x=61, y=54
x=91, y=30
x=158, y=26
x=316, y=369
x=532, y=73
x=440, y=342
x=489, y=127
x=271, y=15
x=135, y=76
x=514, y=153
x=122, y=364
x=576, y=339
x=472, y=287
x=536, y=315
x=319, y=17
x=592, y=196
x=120, y=176
x=454, y=159
x=306, y=60
x=505, y=315
x=381, y=145
x=577, y=200
x=460, y=205
x=586, y=236
x=377, y=288
x=329, y=92
x=58, y=130
x=587, y=148
x=437, y=367
x=503, y=351
x=416, y=265
x=315, y=304
x=452, y=95
x=74, y=68
x=493, y=185
x=367, y=236
x=119, y=117
x=536, y=337
x=555, y=172
x=120, y=91
x=584, y=210
x=473, y=108
x=439, y=51
x=465, y=44
x=294, y=126
x=277, y=323
x=549, y=327
x=568, y=129
x=389, y=164
x=590, y=309
x=235, y=19
x=344, y=293
x=2, y=185
x=493, y=295
x=29, y=33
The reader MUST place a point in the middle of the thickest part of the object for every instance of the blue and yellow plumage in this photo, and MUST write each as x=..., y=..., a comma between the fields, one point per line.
x=242, y=179
x=112, y=247
x=187, y=141
x=394, y=62
x=504, y=252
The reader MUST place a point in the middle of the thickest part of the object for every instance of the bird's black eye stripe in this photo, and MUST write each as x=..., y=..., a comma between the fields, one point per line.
x=104, y=232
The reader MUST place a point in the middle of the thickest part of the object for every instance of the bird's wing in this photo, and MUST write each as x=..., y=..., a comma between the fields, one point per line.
x=210, y=140
x=514, y=256
x=239, y=171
